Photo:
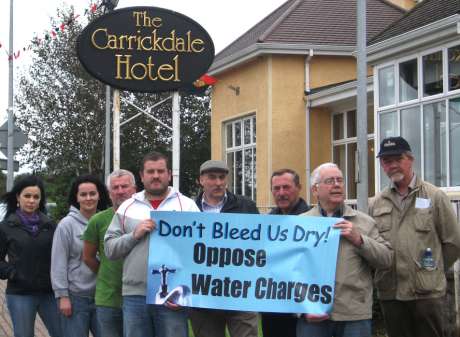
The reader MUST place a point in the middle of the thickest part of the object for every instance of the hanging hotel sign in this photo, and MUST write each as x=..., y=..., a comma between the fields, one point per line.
x=146, y=49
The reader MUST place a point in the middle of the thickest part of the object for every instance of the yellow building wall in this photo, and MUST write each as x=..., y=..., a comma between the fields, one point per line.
x=272, y=87
x=406, y=4
x=252, y=80
x=327, y=70
x=289, y=116
x=320, y=137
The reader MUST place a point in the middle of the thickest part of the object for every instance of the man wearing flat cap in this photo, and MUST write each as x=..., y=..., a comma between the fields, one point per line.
x=215, y=198
x=418, y=220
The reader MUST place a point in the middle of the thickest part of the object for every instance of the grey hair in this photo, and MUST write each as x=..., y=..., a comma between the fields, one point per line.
x=409, y=154
x=120, y=173
x=316, y=174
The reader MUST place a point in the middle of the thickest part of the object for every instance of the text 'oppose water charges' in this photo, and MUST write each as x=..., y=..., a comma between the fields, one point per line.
x=264, y=261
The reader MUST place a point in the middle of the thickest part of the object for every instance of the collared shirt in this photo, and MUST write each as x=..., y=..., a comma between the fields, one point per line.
x=338, y=212
x=402, y=198
x=213, y=208
x=300, y=207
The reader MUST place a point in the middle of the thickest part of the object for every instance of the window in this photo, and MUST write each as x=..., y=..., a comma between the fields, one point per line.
x=240, y=150
x=388, y=128
x=408, y=80
x=429, y=116
x=424, y=126
x=386, y=86
x=434, y=134
x=454, y=140
x=432, y=74
x=388, y=125
x=410, y=130
x=345, y=150
x=454, y=67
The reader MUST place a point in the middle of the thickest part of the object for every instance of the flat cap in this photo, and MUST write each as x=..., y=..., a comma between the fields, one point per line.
x=393, y=146
x=213, y=165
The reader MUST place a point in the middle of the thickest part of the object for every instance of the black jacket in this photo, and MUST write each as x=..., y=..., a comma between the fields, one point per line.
x=299, y=208
x=233, y=204
x=29, y=258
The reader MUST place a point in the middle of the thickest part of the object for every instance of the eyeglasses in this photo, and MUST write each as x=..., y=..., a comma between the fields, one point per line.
x=333, y=180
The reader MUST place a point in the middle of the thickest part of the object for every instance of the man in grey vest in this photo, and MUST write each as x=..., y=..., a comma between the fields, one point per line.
x=417, y=218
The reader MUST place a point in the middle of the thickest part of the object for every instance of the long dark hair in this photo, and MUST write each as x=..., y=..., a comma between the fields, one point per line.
x=11, y=198
x=104, y=200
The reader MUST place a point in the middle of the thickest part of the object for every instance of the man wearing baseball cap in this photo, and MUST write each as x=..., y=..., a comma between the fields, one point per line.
x=215, y=198
x=418, y=220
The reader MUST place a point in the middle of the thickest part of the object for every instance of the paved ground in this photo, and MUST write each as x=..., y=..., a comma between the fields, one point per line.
x=6, y=328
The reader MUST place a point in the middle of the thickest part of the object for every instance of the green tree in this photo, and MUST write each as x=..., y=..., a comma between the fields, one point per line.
x=195, y=140
x=62, y=110
x=60, y=107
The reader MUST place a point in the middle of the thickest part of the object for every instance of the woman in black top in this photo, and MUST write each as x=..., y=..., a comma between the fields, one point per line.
x=26, y=237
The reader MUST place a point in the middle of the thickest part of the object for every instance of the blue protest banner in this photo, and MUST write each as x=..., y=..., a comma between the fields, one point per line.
x=243, y=262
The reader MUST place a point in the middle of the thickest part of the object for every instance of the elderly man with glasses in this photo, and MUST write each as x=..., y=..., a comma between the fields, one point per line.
x=361, y=249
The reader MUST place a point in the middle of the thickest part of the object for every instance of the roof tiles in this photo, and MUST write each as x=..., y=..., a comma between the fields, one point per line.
x=426, y=12
x=315, y=22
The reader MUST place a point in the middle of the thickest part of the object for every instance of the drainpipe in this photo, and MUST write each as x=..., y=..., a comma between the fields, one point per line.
x=307, y=125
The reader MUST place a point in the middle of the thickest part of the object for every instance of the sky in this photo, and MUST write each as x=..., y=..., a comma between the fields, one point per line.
x=225, y=21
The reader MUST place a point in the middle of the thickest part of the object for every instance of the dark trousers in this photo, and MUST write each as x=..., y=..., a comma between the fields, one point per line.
x=418, y=318
x=211, y=323
x=328, y=328
x=279, y=325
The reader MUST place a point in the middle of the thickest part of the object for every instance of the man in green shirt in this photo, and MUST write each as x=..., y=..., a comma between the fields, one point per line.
x=121, y=185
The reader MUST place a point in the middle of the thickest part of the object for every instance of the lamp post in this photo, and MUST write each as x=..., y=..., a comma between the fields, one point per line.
x=361, y=106
x=109, y=5
x=10, y=147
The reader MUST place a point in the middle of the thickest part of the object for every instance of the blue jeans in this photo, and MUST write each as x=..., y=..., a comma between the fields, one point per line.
x=110, y=321
x=83, y=318
x=23, y=310
x=330, y=328
x=148, y=320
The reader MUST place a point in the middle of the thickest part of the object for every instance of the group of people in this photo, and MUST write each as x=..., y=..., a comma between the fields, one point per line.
x=89, y=272
x=42, y=262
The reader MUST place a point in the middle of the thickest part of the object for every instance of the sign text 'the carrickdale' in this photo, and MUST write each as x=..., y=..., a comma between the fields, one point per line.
x=102, y=39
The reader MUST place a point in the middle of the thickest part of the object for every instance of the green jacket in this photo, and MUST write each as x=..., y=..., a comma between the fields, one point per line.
x=353, y=278
x=428, y=222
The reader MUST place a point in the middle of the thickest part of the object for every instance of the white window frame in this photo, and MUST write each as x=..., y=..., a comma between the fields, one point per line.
x=445, y=96
x=345, y=141
x=242, y=147
x=397, y=95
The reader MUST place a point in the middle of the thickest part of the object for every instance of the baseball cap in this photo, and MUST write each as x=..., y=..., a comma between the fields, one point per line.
x=393, y=146
x=213, y=165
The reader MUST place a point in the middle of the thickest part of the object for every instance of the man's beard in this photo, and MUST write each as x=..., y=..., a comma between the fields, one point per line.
x=397, y=177
x=157, y=192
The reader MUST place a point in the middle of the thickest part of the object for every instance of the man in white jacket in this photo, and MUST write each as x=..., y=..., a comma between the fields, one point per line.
x=127, y=237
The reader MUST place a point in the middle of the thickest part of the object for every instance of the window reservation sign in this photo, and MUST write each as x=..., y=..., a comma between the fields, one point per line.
x=146, y=49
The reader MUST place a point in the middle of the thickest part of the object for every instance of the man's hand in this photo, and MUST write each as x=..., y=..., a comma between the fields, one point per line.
x=65, y=306
x=172, y=306
x=144, y=227
x=89, y=256
x=313, y=318
x=349, y=232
